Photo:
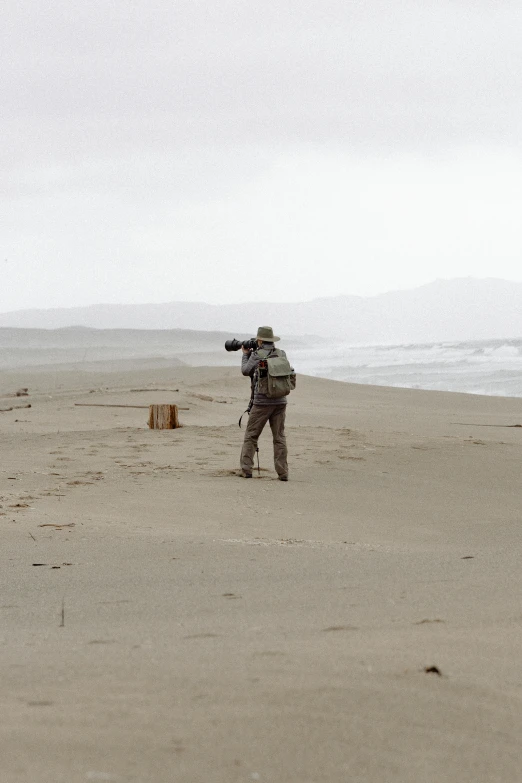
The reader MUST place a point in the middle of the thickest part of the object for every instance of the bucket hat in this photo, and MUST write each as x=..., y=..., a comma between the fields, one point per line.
x=266, y=333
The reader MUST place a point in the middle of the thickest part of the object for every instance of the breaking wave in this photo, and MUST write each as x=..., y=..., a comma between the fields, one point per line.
x=491, y=367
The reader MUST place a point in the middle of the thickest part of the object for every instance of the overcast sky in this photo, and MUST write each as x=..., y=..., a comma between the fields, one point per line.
x=225, y=151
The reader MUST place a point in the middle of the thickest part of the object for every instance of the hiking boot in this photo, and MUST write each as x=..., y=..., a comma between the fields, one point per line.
x=244, y=474
x=283, y=478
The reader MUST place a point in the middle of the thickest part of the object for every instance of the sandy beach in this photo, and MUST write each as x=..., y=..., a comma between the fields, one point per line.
x=163, y=620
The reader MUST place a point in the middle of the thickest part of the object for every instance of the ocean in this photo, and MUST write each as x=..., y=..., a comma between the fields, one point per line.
x=491, y=367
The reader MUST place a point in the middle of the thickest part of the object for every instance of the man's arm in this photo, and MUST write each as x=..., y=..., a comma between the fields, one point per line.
x=249, y=362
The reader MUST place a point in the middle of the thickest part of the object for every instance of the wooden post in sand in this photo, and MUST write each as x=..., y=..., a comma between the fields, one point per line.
x=163, y=417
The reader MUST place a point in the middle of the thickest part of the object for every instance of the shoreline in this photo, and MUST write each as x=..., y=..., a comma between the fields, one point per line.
x=164, y=620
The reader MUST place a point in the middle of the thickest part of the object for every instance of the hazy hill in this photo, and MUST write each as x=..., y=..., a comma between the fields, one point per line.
x=115, y=349
x=460, y=309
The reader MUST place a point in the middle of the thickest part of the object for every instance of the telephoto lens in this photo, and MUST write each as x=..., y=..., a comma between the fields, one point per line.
x=235, y=345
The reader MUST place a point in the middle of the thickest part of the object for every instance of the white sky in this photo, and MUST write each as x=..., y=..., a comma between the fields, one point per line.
x=226, y=151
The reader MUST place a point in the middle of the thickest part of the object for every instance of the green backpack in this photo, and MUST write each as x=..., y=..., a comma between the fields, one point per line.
x=275, y=375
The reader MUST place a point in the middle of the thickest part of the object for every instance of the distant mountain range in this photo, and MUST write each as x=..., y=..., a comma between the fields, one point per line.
x=445, y=310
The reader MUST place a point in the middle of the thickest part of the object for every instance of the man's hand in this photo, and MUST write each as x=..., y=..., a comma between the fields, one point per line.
x=246, y=350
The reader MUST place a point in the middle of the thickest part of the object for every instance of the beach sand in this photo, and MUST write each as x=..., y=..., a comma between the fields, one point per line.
x=163, y=620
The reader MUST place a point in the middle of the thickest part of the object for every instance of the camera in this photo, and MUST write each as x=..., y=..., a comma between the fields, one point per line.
x=235, y=345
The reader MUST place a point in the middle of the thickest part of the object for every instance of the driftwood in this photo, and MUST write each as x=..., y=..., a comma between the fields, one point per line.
x=163, y=417
x=154, y=390
x=106, y=405
x=464, y=424
x=110, y=405
x=14, y=408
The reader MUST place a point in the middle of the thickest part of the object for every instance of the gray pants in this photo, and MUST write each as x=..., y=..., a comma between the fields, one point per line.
x=259, y=415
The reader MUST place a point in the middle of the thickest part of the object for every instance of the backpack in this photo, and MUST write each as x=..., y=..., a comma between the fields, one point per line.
x=275, y=375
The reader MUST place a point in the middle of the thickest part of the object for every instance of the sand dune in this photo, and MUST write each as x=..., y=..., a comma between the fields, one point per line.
x=163, y=620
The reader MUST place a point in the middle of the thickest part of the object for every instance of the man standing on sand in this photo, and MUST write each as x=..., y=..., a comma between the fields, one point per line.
x=264, y=409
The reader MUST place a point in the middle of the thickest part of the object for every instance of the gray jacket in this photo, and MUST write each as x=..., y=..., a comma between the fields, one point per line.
x=249, y=364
